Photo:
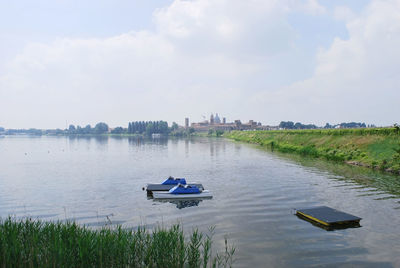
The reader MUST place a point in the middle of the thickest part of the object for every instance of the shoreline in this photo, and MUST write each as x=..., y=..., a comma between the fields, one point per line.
x=377, y=149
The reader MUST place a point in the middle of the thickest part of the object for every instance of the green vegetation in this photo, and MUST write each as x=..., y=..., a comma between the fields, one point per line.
x=377, y=148
x=298, y=125
x=181, y=132
x=215, y=133
x=99, y=129
x=148, y=128
x=31, y=131
x=29, y=243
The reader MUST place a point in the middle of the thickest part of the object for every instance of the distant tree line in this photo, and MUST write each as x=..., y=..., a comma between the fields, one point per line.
x=31, y=131
x=298, y=125
x=100, y=128
x=137, y=127
x=348, y=125
x=148, y=127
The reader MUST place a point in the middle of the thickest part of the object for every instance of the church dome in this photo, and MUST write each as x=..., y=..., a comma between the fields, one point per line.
x=217, y=120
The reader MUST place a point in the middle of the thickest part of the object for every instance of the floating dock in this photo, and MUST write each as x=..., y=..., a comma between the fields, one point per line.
x=328, y=218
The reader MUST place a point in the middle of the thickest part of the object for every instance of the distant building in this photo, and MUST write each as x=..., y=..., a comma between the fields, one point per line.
x=186, y=122
x=216, y=124
x=211, y=119
x=238, y=123
x=217, y=120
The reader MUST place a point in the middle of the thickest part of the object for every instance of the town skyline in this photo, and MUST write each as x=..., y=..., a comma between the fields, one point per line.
x=215, y=123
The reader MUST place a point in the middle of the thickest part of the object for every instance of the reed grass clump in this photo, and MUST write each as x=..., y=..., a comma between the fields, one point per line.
x=35, y=243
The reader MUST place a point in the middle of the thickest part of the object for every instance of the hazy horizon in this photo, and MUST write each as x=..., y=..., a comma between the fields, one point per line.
x=67, y=124
x=308, y=61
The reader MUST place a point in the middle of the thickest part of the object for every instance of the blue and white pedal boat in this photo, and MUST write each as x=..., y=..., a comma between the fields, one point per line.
x=181, y=191
x=168, y=184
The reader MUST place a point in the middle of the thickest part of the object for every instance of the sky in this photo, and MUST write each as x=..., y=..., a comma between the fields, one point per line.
x=310, y=61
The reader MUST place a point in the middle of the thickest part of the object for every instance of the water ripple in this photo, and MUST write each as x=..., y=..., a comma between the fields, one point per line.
x=98, y=183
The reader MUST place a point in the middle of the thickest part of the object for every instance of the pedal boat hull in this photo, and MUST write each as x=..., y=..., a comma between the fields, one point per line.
x=166, y=195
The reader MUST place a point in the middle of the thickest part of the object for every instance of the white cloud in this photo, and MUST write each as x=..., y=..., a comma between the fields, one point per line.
x=199, y=60
x=313, y=7
x=343, y=13
x=208, y=56
x=355, y=79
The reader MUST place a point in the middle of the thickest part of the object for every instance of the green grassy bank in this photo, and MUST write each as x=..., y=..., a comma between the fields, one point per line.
x=29, y=243
x=377, y=148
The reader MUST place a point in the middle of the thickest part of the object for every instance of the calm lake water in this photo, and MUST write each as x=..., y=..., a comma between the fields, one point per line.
x=98, y=181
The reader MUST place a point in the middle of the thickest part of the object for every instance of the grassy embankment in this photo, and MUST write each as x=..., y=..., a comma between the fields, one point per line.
x=377, y=148
x=28, y=243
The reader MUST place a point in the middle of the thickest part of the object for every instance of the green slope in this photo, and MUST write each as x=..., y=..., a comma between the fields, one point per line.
x=377, y=148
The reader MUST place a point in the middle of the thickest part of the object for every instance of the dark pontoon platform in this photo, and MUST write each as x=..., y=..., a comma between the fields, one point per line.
x=161, y=187
x=328, y=217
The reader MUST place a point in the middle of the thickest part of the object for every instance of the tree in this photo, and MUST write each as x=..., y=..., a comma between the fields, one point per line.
x=150, y=128
x=352, y=125
x=34, y=131
x=101, y=128
x=87, y=129
x=142, y=126
x=71, y=129
x=286, y=125
x=298, y=125
x=163, y=127
x=219, y=133
x=174, y=126
x=117, y=130
x=130, y=130
x=79, y=130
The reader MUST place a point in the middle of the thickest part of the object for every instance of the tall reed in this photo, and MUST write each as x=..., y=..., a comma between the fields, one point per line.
x=34, y=243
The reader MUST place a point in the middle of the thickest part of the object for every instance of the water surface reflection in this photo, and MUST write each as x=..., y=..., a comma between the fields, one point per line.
x=98, y=181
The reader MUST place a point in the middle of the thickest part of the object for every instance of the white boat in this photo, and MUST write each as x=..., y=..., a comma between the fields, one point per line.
x=205, y=194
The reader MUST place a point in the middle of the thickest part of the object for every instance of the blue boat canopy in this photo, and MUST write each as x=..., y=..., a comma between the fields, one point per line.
x=185, y=189
x=174, y=181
